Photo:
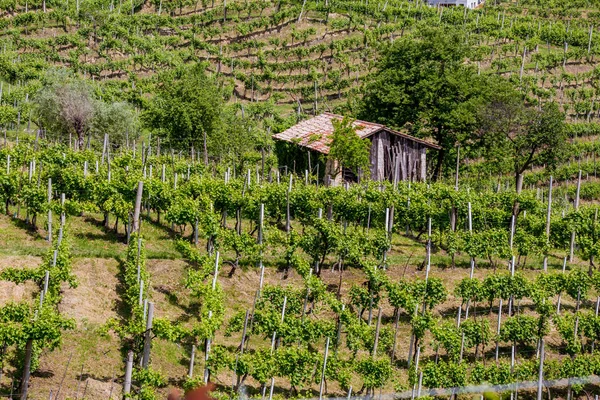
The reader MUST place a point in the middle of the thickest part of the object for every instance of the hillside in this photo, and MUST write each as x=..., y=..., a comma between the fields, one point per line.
x=308, y=56
x=98, y=309
x=154, y=236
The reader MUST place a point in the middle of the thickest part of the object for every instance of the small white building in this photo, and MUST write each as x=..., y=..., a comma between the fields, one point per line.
x=449, y=3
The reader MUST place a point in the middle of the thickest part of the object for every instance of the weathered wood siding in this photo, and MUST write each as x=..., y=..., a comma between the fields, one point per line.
x=396, y=158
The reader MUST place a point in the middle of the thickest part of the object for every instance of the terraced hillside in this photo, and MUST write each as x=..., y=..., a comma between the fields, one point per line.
x=306, y=55
x=139, y=182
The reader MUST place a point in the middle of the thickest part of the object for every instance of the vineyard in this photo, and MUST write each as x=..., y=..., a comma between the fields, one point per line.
x=154, y=236
x=136, y=271
x=303, y=56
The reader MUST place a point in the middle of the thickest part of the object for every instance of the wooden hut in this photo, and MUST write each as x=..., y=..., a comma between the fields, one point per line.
x=395, y=156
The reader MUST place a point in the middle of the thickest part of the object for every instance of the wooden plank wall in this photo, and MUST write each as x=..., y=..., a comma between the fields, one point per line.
x=397, y=158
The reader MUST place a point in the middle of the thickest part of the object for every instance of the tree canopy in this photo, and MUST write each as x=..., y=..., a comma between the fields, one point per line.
x=514, y=133
x=187, y=107
x=67, y=104
x=424, y=84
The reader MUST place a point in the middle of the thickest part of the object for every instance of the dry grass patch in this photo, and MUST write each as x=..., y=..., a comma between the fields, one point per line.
x=10, y=291
x=88, y=360
x=94, y=300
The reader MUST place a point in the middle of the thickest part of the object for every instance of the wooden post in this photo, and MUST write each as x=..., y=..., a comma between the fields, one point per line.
x=386, y=227
x=242, y=345
x=596, y=314
x=395, y=334
x=548, y=213
x=339, y=330
x=512, y=231
x=283, y=309
x=49, y=210
x=377, y=334
x=104, y=146
x=408, y=208
x=287, y=212
x=192, y=358
x=139, y=250
x=128, y=373
x=411, y=343
x=214, y=281
x=323, y=372
x=560, y=294
x=138, y=206
x=470, y=232
x=572, y=246
x=428, y=267
x=26, y=369
x=513, y=357
x=262, y=275
x=272, y=387
x=148, y=336
x=498, y=329
x=261, y=217
x=46, y=281
x=244, y=332
x=462, y=345
x=141, y=296
x=62, y=214
x=522, y=64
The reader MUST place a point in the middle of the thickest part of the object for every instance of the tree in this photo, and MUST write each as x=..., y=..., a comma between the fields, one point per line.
x=520, y=329
x=424, y=84
x=187, y=108
x=347, y=148
x=66, y=104
x=238, y=139
x=374, y=373
x=513, y=133
x=114, y=119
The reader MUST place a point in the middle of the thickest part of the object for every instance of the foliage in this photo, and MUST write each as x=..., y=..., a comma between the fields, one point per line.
x=347, y=149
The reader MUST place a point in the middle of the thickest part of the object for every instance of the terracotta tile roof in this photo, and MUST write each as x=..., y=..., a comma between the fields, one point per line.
x=315, y=133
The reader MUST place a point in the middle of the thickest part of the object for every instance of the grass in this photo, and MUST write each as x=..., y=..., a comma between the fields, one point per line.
x=88, y=236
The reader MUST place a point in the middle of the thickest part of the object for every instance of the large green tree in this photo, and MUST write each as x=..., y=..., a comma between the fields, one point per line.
x=424, y=84
x=517, y=135
x=187, y=107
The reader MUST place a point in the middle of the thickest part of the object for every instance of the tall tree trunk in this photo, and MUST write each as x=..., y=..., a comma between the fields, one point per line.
x=80, y=139
x=519, y=189
x=519, y=181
